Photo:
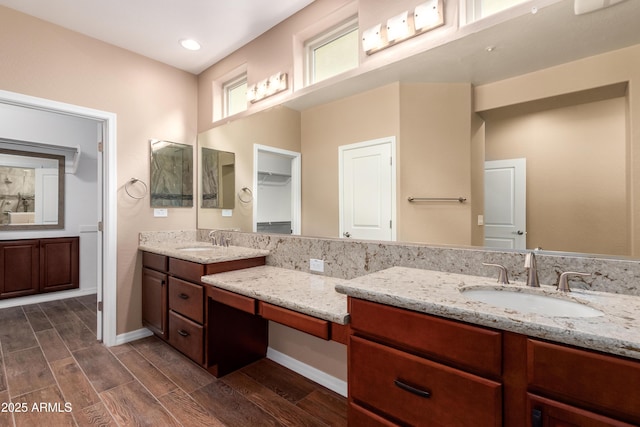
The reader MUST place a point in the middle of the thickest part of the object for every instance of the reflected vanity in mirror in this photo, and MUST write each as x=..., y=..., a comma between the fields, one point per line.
x=171, y=174
x=31, y=190
x=218, y=179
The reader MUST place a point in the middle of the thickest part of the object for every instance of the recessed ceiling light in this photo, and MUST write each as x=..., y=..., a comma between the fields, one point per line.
x=190, y=44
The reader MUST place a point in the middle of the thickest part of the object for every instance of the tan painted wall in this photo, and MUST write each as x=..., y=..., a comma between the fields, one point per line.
x=370, y=115
x=435, y=159
x=278, y=127
x=576, y=174
x=151, y=100
x=270, y=53
x=598, y=71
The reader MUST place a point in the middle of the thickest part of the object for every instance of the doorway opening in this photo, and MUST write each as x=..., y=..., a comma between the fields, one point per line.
x=277, y=190
x=103, y=233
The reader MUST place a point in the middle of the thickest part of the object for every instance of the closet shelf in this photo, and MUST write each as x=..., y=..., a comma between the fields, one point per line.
x=273, y=178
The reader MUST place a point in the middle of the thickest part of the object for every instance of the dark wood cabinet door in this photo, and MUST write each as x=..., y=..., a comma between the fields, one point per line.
x=19, y=268
x=154, y=301
x=59, y=264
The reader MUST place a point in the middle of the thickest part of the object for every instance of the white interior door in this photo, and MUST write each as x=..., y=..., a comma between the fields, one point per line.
x=505, y=204
x=367, y=190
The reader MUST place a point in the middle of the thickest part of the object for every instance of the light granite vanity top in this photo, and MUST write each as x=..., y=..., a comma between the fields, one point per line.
x=437, y=293
x=296, y=290
x=203, y=252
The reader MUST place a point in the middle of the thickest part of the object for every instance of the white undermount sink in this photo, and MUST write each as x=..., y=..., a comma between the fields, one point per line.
x=526, y=301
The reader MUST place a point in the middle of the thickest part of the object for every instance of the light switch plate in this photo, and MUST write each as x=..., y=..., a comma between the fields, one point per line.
x=316, y=265
x=161, y=213
x=480, y=219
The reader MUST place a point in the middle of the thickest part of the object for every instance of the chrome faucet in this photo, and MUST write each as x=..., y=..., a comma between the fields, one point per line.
x=563, y=281
x=532, y=270
x=212, y=236
x=503, y=274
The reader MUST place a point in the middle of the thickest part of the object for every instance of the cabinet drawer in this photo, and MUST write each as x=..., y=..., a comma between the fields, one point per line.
x=358, y=416
x=186, y=298
x=155, y=261
x=187, y=270
x=187, y=336
x=552, y=413
x=397, y=384
x=471, y=347
x=239, y=302
x=608, y=384
x=302, y=322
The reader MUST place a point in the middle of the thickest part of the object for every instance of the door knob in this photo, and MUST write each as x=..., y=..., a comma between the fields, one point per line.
x=519, y=232
x=346, y=234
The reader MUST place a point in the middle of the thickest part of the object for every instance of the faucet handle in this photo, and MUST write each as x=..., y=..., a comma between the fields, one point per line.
x=503, y=274
x=532, y=270
x=563, y=281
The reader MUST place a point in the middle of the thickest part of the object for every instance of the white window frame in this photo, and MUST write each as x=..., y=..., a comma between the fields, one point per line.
x=322, y=39
x=228, y=87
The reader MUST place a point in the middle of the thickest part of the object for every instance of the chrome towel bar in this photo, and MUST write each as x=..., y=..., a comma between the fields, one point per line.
x=437, y=199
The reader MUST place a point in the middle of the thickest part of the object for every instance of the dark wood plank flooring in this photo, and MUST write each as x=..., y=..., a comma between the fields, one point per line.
x=53, y=372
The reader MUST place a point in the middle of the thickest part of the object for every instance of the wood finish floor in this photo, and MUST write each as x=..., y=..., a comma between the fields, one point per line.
x=53, y=373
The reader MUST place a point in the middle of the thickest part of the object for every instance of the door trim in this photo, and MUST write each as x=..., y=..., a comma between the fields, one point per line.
x=341, y=149
x=107, y=185
x=296, y=185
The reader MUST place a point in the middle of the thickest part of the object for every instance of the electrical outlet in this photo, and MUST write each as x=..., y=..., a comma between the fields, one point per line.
x=160, y=213
x=316, y=265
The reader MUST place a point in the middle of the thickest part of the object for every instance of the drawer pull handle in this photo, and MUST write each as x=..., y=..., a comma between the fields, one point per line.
x=406, y=387
x=183, y=333
x=536, y=418
x=184, y=296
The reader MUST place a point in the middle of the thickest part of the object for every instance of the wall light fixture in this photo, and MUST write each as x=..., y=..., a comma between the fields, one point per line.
x=267, y=87
x=425, y=17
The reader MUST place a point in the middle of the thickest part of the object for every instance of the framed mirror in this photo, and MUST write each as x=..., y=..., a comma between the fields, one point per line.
x=171, y=174
x=31, y=190
x=218, y=180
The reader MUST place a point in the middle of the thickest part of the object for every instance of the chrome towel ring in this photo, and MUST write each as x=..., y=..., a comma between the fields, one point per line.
x=129, y=184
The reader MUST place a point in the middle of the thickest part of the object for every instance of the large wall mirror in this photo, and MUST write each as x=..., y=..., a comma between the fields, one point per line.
x=31, y=190
x=578, y=136
x=218, y=181
x=171, y=174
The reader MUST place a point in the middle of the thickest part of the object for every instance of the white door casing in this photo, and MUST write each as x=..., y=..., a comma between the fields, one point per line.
x=107, y=200
x=367, y=190
x=505, y=204
x=296, y=185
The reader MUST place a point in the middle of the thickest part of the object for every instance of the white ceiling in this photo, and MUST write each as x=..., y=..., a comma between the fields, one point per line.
x=153, y=28
x=530, y=42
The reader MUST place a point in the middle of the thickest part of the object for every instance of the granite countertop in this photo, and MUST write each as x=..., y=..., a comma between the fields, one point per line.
x=296, y=290
x=204, y=252
x=438, y=293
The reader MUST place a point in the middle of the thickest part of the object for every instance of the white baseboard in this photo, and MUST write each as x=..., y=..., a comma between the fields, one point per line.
x=132, y=336
x=308, y=371
x=46, y=297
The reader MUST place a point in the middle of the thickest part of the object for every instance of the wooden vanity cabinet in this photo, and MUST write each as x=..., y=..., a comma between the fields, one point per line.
x=154, y=293
x=411, y=368
x=175, y=307
x=569, y=384
x=33, y=266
